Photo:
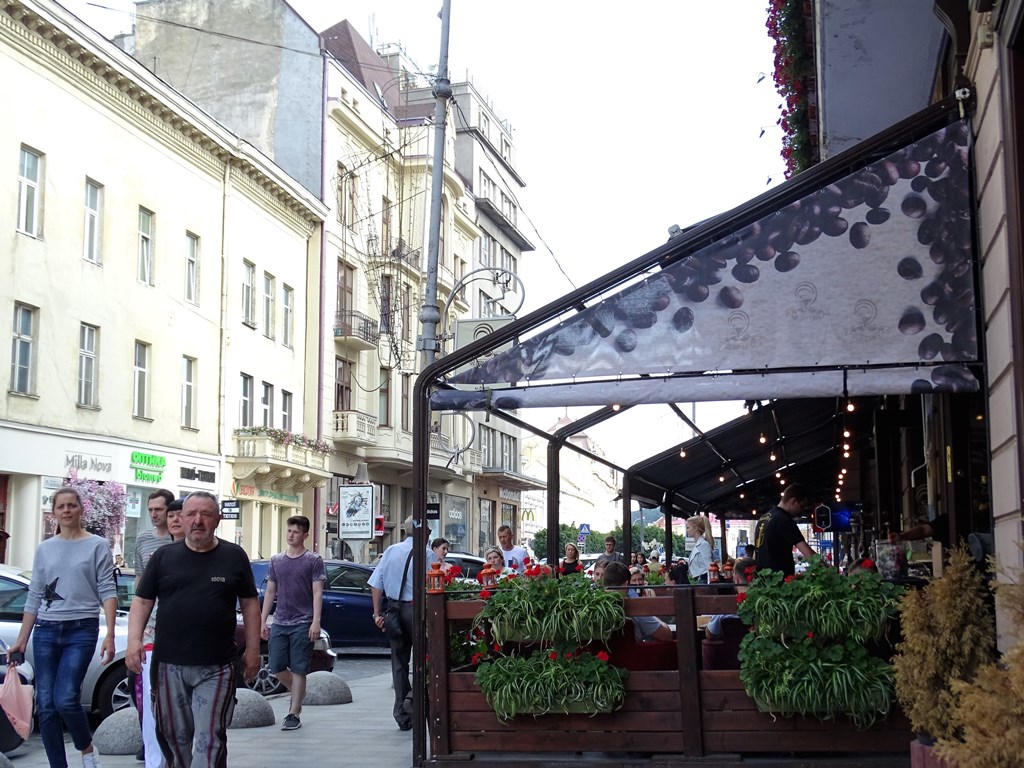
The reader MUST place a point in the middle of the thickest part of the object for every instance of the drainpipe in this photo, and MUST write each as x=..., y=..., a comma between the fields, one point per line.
x=221, y=384
x=321, y=339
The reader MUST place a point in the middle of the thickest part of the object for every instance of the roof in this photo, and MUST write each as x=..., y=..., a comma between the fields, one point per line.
x=362, y=62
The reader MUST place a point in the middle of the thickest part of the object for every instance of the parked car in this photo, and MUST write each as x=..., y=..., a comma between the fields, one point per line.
x=105, y=687
x=347, y=612
x=471, y=565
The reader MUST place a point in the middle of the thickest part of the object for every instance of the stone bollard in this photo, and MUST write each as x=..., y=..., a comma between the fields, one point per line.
x=119, y=734
x=251, y=710
x=323, y=688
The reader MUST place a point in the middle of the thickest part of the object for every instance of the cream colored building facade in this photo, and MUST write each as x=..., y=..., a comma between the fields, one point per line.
x=153, y=260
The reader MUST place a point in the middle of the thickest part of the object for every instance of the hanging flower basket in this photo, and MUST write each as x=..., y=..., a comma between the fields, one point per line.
x=103, y=504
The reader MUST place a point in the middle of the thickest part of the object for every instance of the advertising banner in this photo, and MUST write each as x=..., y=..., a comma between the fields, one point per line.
x=355, y=511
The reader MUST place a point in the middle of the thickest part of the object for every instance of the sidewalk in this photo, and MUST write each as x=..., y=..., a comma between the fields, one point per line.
x=360, y=733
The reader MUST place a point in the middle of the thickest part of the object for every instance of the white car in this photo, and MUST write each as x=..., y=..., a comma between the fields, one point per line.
x=105, y=687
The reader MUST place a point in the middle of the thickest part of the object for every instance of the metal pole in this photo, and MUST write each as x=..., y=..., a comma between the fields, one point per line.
x=429, y=312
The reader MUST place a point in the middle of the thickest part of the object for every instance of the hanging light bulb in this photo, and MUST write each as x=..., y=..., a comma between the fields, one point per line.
x=849, y=406
x=840, y=482
x=846, y=446
x=772, y=456
x=762, y=439
x=846, y=454
x=682, y=453
x=721, y=478
x=782, y=482
x=616, y=407
x=778, y=474
x=743, y=495
x=846, y=434
x=844, y=470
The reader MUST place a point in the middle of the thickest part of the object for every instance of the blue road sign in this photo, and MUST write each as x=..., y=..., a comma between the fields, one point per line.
x=584, y=529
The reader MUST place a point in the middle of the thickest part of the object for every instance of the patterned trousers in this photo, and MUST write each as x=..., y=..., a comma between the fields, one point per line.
x=193, y=708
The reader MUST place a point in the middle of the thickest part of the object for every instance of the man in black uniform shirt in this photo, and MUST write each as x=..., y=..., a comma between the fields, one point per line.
x=777, y=533
x=197, y=582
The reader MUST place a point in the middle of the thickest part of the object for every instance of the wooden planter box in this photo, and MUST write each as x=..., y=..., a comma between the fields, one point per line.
x=683, y=716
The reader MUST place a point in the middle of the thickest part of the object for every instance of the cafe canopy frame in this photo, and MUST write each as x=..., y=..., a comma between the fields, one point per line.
x=848, y=282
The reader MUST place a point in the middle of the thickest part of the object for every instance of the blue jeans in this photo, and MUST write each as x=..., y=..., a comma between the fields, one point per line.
x=61, y=652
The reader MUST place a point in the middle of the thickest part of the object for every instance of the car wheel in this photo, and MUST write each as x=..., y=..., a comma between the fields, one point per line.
x=266, y=682
x=114, y=691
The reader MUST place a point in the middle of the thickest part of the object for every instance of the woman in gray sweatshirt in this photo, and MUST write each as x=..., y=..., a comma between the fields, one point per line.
x=72, y=577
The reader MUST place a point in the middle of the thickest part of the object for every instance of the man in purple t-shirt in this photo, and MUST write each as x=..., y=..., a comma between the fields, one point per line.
x=296, y=578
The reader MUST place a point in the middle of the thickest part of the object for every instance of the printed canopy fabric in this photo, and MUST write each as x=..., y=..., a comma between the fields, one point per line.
x=868, y=282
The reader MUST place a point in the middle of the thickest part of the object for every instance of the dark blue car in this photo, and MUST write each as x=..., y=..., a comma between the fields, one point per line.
x=347, y=612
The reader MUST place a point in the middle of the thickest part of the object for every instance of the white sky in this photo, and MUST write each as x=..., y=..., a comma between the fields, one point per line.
x=628, y=118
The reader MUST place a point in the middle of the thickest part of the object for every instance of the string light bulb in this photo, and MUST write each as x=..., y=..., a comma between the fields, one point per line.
x=762, y=439
x=844, y=470
x=682, y=453
x=846, y=446
x=846, y=454
x=772, y=456
x=846, y=434
x=778, y=474
x=849, y=406
x=616, y=407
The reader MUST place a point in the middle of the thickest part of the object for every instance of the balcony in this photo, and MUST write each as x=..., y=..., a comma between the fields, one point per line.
x=440, y=444
x=278, y=459
x=506, y=225
x=356, y=330
x=472, y=461
x=354, y=428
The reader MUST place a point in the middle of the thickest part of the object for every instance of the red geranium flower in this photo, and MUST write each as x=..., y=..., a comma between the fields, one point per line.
x=740, y=597
x=810, y=635
x=789, y=578
x=568, y=655
x=454, y=571
x=497, y=647
x=484, y=594
x=602, y=655
x=477, y=658
x=553, y=656
x=868, y=563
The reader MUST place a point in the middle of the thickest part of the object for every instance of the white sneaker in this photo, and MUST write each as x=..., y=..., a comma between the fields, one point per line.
x=91, y=760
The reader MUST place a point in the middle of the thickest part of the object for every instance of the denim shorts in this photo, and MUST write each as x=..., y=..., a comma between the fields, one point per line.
x=290, y=648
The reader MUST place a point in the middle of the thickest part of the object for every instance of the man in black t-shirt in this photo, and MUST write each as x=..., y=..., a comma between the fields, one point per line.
x=197, y=582
x=777, y=533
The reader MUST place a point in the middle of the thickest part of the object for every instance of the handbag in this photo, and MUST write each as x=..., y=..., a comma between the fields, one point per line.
x=16, y=702
x=393, y=616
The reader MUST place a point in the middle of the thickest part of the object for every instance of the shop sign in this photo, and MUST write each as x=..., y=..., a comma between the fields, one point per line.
x=149, y=467
x=229, y=509
x=508, y=494
x=254, y=492
x=197, y=475
x=88, y=462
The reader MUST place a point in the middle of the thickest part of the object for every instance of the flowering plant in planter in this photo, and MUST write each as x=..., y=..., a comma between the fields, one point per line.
x=103, y=504
x=552, y=681
x=806, y=653
x=283, y=437
x=794, y=67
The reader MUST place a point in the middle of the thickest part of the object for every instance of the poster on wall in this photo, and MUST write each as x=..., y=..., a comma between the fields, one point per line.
x=355, y=511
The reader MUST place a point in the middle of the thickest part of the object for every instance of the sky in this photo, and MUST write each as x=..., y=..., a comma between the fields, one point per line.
x=625, y=122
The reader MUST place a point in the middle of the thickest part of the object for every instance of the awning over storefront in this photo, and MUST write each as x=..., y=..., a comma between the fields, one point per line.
x=855, y=278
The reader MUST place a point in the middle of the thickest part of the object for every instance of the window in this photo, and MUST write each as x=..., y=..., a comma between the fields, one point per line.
x=406, y=312
x=140, y=390
x=191, y=268
x=486, y=186
x=487, y=440
x=506, y=149
x=346, y=287
x=23, y=350
x=188, y=392
x=509, y=262
x=88, y=339
x=30, y=176
x=484, y=124
x=406, y=393
x=93, y=221
x=288, y=319
x=385, y=226
x=342, y=385
x=509, y=209
x=145, y=274
x=245, y=409
x=267, y=405
x=488, y=250
x=384, y=399
x=286, y=410
x=459, y=268
x=386, y=321
x=509, y=458
x=347, y=196
x=249, y=294
x=268, y=305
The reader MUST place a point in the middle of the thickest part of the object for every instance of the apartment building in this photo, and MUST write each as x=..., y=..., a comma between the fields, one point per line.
x=157, y=266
